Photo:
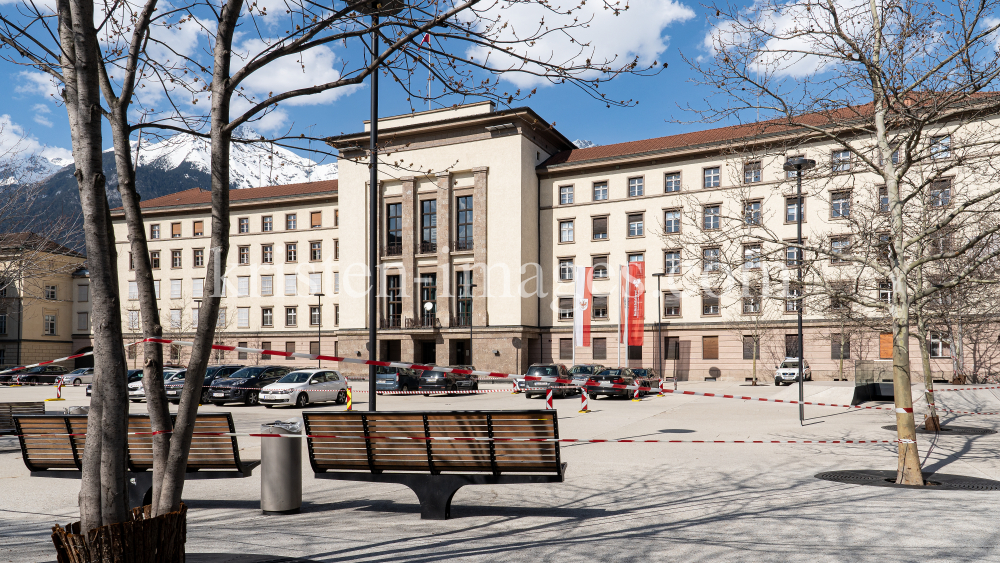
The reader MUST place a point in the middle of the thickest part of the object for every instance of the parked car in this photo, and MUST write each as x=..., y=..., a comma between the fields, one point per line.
x=133, y=376
x=40, y=374
x=581, y=373
x=617, y=376
x=646, y=377
x=243, y=386
x=532, y=388
x=77, y=377
x=396, y=379
x=788, y=372
x=432, y=380
x=136, y=390
x=212, y=373
x=306, y=386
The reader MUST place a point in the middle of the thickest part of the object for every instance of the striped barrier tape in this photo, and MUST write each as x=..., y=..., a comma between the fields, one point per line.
x=67, y=358
x=958, y=412
x=960, y=389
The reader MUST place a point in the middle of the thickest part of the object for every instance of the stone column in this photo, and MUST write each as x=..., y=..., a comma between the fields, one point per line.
x=410, y=300
x=444, y=247
x=480, y=315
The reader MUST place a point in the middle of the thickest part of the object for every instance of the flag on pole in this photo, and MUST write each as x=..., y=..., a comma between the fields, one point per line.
x=426, y=39
x=582, y=305
x=636, y=302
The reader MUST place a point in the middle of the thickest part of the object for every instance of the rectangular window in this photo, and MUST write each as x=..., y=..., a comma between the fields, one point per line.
x=752, y=172
x=133, y=290
x=565, y=348
x=265, y=346
x=241, y=355
x=599, y=309
x=565, y=308
x=291, y=316
x=3, y=325
x=222, y=320
x=131, y=261
x=710, y=260
x=291, y=252
x=885, y=346
x=291, y=222
x=840, y=248
x=566, y=269
x=792, y=174
x=793, y=298
x=713, y=177
x=198, y=288
x=637, y=257
x=840, y=346
x=710, y=347
x=315, y=283
x=940, y=147
x=199, y=229
x=244, y=256
x=315, y=219
x=635, y=187
x=315, y=251
x=711, y=217
x=565, y=231
x=50, y=292
x=290, y=285
x=840, y=161
x=792, y=209
x=133, y=321
x=600, y=230
x=428, y=226
x=671, y=304
x=393, y=301
x=175, y=319
x=791, y=345
x=463, y=283
x=672, y=221
x=267, y=254
x=194, y=317
x=336, y=322
x=751, y=212
x=315, y=316
x=243, y=317
x=600, y=264
x=336, y=249
x=175, y=230
x=267, y=285
x=751, y=347
x=336, y=282
x=793, y=256
x=600, y=348
x=244, y=225
x=883, y=200
x=885, y=291
x=940, y=193
x=939, y=347
x=672, y=182
x=154, y=259
x=267, y=224
x=394, y=229
x=600, y=191
x=336, y=217
x=175, y=259
x=565, y=195
x=840, y=205
x=751, y=257
x=243, y=286
x=82, y=322
x=464, y=224
x=156, y=288
x=428, y=299
x=199, y=257
x=751, y=300
x=290, y=347
x=635, y=225
x=672, y=262
x=154, y=231
x=83, y=293
x=709, y=302
x=266, y=318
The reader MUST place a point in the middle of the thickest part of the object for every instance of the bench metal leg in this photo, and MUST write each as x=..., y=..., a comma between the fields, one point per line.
x=435, y=494
x=140, y=489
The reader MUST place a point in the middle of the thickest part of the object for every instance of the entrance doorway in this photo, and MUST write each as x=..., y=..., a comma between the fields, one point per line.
x=428, y=352
x=460, y=353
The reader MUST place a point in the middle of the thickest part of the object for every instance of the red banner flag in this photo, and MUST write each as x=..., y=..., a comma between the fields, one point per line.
x=636, y=302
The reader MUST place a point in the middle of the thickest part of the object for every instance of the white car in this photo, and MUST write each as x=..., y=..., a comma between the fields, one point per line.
x=788, y=372
x=78, y=376
x=305, y=386
x=136, y=392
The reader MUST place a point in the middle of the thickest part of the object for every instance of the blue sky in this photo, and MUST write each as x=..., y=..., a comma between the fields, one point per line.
x=32, y=112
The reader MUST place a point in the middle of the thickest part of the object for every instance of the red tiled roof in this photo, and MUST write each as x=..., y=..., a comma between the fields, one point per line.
x=197, y=196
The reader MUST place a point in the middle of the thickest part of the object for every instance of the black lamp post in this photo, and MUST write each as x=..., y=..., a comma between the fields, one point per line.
x=659, y=325
x=319, y=328
x=797, y=164
x=471, y=285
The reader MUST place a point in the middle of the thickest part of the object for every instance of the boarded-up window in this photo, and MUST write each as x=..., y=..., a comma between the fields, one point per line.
x=635, y=352
x=791, y=345
x=199, y=228
x=840, y=349
x=565, y=348
x=885, y=346
x=710, y=347
x=600, y=348
x=266, y=346
x=751, y=347
x=175, y=230
x=241, y=355
x=672, y=348
x=315, y=219
x=314, y=348
x=290, y=347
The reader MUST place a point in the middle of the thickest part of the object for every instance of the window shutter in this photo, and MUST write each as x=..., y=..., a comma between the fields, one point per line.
x=673, y=347
x=885, y=346
x=175, y=230
x=749, y=348
x=710, y=347
x=565, y=348
x=600, y=348
x=600, y=225
x=315, y=219
x=199, y=228
x=791, y=345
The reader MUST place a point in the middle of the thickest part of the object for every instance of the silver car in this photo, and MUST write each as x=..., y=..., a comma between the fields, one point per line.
x=78, y=377
x=788, y=372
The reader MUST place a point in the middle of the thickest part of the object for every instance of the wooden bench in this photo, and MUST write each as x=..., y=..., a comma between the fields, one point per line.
x=397, y=447
x=8, y=410
x=52, y=446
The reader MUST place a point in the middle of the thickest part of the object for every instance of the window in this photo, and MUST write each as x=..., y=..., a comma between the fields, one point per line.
x=131, y=262
x=752, y=172
x=291, y=318
x=315, y=251
x=711, y=217
x=635, y=187
x=600, y=267
x=792, y=209
x=315, y=315
x=709, y=302
x=83, y=293
x=793, y=256
x=940, y=193
x=175, y=319
x=394, y=229
x=565, y=231
x=840, y=205
x=751, y=300
x=600, y=191
x=199, y=257
x=244, y=225
x=290, y=284
x=939, y=347
x=883, y=200
x=291, y=222
x=154, y=231
x=198, y=288
x=244, y=257
x=793, y=298
x=336, y=282
x=154, y=259
x=712, y=177
x=315, y=219
x=265, y=346
x=600, y=348
x=393, y=301
x=464, y=224
x=267, y=285
x=194, y=316
x=565, y=348
x=566, y=269
x=428, y=226
x=751, y=257
x=315, y=283
x=840, y=346
x=336, y=322
x=82, y=321
x=635, y=227
x=838, y=298
x=751, y=212
x=243, y=317
x=133, y=320
x=940, y=147
x=175, y=230
x=751, y=347
x=133, y=290
x=840, y=161
x=565, y=308
x=600, y=230
x=565, y=195
x=672, y=182
x=672, y=221
x=267, y=224
x=336, y=249
x=241, y=355
x=156, y=288
x=50, y=292
x=637, y=257
x=267, y=254
x=840, y=247
x=291, y=252
x=175, y=259
x=222, y=320
x=885, y=291
x=266, y=318
x=3, y=325
x=710, y=260
x=428, y=298
x=672, y=262
x=243, y=286
x=710, y=347
x=791, y=345
x=600, y=307
x=199, y=229
x=671, y=304
x=463, y=283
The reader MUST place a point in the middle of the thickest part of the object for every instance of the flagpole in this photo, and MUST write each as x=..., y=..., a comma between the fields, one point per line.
x=620, y=312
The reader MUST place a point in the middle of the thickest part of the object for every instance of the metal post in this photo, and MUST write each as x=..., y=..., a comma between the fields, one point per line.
x=471, y=286
x=373, y=221
x=319, y=329
x=799, y=262
x=659, y=324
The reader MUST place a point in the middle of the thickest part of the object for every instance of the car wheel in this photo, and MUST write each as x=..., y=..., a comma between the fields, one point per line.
x=454, y=388
x=77, y=381
x=205, y=397
x=341, y=397
x=593, y=396
x=253, y=398
x=475, y=387
x=302, y=400
x=777, y=383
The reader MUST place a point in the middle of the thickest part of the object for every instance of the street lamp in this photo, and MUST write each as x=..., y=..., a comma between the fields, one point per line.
x=659, y=326
x=797, y=164
x=470, y=286
x=319, y=327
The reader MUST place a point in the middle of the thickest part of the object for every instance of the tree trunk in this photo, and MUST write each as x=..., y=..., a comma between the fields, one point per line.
x=908, y=471
x=141, y=538
x=932, y=422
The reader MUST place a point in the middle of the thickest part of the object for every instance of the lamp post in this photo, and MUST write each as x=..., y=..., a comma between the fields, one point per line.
x=470, y=286
x=797, y=164
x=659, y=326
x=319, y=327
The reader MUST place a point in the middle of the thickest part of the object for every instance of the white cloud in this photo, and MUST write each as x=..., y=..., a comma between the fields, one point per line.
x=272, y=122
x=38, y=83
x=41, y=111
x=312, y=68
x=636, y=32
x=16, y=142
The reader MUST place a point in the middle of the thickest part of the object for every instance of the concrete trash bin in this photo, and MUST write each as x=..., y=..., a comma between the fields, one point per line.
x=281, y=467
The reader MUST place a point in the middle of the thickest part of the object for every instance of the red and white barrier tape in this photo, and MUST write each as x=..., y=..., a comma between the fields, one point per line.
x=958, y=412
x=966, y=389
x=73, y=357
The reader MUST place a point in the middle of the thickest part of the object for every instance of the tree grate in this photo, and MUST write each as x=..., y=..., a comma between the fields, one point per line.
x=950, y=430
x=935, y=481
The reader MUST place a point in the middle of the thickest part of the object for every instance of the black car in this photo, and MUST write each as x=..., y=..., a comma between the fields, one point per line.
x=243, y=386
x=211, y=374
x=133, y=375
x=396, y=379
x=616, y=376
x=431, y=380
x=40, y=374
x=532, y=388
x=582, y=372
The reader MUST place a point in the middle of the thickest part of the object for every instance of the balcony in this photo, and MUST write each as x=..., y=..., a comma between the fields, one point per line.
x=464, y=244
x=428, y=247
x=394, y=321
x=426, y=321
x=463, y=319
x=393, y=249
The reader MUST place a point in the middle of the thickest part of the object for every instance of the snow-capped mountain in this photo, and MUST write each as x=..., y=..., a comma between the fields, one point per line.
x=584, y=144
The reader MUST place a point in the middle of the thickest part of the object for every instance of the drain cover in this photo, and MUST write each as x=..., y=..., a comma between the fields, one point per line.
x=950, y=430
x=936, y=481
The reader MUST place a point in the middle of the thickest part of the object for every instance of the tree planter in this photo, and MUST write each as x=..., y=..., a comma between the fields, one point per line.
x=141, y=539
